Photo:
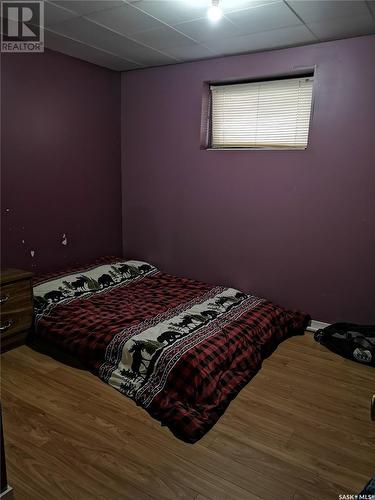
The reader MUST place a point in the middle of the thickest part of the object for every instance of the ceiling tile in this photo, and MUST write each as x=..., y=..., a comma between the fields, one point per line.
x=178, y=11
x=343, y=27
x=174, y=11
x=233, y=5
x=264, y=18
x=203, y=30
x=162, y=38
x=97, y=36
x=82, y=51
x=284, y=37
x=317, y=10
x=84, y=7
x=125, y=19
x=190, y=52
x=54, y=14
x=127, y=34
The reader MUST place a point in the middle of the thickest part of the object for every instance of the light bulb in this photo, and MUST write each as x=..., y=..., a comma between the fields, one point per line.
x=214, y=13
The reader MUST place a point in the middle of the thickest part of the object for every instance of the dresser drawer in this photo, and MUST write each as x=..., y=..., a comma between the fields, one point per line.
x=15, y=322
x=16, y=307
x=15, y=297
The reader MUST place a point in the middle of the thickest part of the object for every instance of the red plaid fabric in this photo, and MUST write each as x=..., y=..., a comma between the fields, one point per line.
x=206, y=378
x=211, y=375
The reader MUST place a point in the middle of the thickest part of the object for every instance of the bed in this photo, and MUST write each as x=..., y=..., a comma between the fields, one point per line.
x=179, y=348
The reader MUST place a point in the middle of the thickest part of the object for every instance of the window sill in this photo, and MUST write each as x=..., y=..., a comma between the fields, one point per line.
x=255, y=149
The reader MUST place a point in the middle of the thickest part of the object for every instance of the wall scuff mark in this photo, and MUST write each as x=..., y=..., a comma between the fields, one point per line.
x=64, y=240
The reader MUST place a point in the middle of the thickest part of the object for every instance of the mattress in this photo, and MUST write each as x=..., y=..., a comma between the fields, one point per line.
x=180, y=348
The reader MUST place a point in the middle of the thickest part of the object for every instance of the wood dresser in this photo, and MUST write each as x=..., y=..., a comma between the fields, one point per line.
x=16, y=307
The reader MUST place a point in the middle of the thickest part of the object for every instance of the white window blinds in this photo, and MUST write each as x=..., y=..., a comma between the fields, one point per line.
x=271, y=114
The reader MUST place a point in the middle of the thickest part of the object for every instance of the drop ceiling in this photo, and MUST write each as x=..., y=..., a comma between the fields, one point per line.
x=126, y=35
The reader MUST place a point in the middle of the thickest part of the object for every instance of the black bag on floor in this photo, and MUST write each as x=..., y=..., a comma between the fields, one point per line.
x=356, y=342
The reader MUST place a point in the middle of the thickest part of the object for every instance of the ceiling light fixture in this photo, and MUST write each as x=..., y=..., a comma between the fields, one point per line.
x=214, y=13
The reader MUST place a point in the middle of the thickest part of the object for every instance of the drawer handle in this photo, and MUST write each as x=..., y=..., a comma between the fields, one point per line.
x=3, y=299
x=6, y=325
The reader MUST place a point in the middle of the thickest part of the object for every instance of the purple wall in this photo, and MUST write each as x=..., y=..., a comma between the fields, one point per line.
x=295, y=226
x=60, y=161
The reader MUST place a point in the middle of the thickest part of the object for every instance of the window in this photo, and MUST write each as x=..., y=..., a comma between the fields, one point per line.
x=268, y=114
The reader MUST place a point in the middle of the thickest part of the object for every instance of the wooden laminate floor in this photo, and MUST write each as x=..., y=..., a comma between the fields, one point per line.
x=300, y=430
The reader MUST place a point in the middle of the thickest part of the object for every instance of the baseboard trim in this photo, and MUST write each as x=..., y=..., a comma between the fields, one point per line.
x=316, y=325
x=7, y=494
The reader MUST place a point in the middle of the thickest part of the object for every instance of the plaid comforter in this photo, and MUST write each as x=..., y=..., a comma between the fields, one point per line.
x=181, y=349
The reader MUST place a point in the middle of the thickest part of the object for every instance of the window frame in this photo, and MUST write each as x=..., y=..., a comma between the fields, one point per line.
x=306, y=73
